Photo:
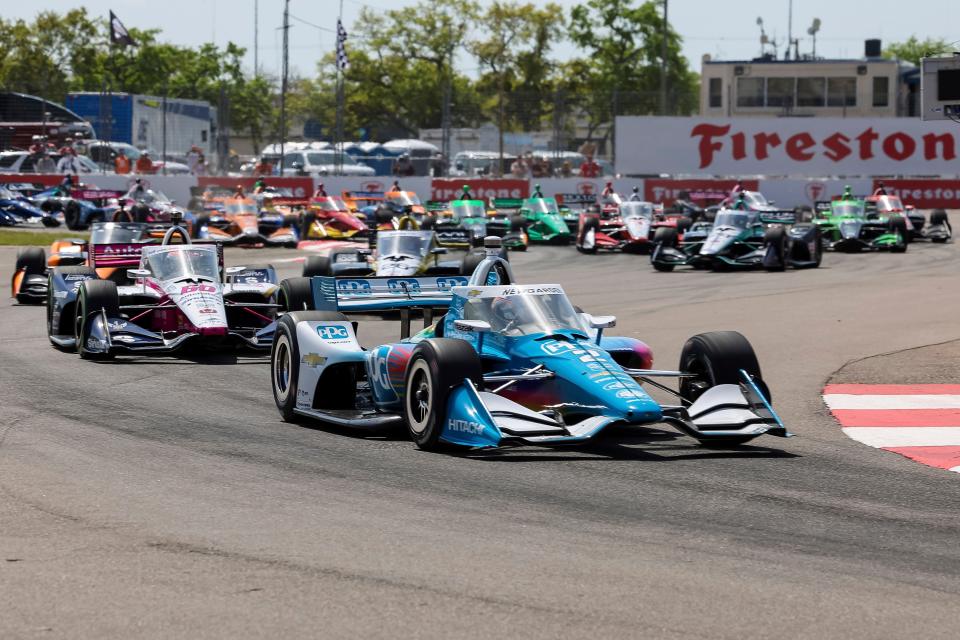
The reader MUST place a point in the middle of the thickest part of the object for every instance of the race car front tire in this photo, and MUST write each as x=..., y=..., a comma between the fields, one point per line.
x=318, y=266
x=295, y=294
x=436, y=366
x=285, y=358
x=667, y=236
x=71, y=215
x=95, y=296
x=899, y=225
x=67, y=318
x=716, y=358
x=199, y=223
x=306, y=224
x=588, y=225
x=776, y=237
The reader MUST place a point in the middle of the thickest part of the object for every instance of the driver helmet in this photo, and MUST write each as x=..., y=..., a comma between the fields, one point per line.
x=536, y=191
x=741, y=202
x=239, y=192
x=466, y=192
x=847, y=192
x=504, y=311
x=635, y=196
x=396, y=186
x=608, y=189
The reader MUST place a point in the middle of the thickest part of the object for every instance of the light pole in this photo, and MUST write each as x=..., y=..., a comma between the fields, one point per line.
x=663, y=64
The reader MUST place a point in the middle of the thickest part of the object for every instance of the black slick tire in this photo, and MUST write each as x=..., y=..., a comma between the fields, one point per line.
x=94, y=296
x=588, y=225
x=318, y=266
x=285, y=359
x=435, y=367
x=716, y=358
x=776, y=237
x=295, y=294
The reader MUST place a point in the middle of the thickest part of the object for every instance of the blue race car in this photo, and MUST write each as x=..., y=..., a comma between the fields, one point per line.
x=16, y=208
x=506, y=364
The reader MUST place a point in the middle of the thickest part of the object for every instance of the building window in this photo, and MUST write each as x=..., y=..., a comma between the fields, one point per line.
x=780, y=92
x=716, y=93
x=841, y=92
x=811, y=92
x=749, y=92
x=881, y=91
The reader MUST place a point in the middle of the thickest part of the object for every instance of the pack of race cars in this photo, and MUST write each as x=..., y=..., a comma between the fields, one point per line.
x=497, y=362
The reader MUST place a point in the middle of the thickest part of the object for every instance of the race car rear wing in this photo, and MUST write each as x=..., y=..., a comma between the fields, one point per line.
x=511, y=204
x=778, y=217
x=386, y=296
x=123, y=254
x=577, y=198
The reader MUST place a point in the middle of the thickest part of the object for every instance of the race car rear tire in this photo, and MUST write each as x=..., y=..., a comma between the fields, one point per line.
x=141, y=213
x=716, y=358
x=588, y=224
x=71, y=215
x=435, y=367
x=684, y=223
x=318, y=266
x=429, y=222
x=295, y=294
x=518, y=223
x=776, y=237
x=308, y=219
x=471, y=261
x=899, y=225
x=200, y=222
x=939, y=217
x=94, y=296
x=66, y=324
x=33, y=262
x=667, y=236
x=285, y=358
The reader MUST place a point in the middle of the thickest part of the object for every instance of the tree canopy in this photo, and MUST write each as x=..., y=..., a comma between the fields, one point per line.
x=491, y=62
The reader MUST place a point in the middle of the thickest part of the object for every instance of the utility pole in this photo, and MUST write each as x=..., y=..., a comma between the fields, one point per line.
x=256, y=38
x=663, y=63
x=789, y=29
x=338, y=139
x=163, y=152
x=283, y=81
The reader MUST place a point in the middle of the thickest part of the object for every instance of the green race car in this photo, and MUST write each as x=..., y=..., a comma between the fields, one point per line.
x=846, y=225
x=545, y=222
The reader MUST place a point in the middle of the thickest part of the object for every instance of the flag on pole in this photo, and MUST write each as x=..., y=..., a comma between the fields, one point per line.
x=118, y=33
x=342, y=61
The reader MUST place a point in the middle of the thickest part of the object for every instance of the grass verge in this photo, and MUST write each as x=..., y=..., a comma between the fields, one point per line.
x=10, y=237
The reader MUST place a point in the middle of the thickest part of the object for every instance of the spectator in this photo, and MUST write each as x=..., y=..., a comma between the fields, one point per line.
x=589, y=168
x=566, y=169
x=519, y=168
x=201, y=164
x=193, y=159
x=68, y=163
x=233, y=161
x=121, y=163
x=144, y=163
x=45, y=164
x=403, y=166
x=263, y=167
x=536, y=167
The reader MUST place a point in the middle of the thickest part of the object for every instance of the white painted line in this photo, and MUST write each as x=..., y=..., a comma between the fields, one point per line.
x=882, y=437
x=957, y=469
x=850, y=401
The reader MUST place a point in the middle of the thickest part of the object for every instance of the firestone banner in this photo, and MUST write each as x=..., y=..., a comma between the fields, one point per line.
x=805, y=147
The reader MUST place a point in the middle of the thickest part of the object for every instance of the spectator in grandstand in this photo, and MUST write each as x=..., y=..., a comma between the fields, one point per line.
x=68, y=163
x=263, y=167
x=519, y=168
x=537, y=169
x=193, y=159
x=144, y=163
x=566, y=169
x=589, y=168
x=403, y=166
x=121, y=163
x=45, y=164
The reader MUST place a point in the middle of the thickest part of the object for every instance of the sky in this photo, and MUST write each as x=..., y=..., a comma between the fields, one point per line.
x=724, y=29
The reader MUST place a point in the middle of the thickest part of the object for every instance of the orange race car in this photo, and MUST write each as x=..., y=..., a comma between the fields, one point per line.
x=113, y=248
x=237, y=220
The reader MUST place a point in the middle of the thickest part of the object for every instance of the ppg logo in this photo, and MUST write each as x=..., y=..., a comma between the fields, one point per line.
x=402, y=286
x=332, y=332
x=353, y=287
x=445, y=284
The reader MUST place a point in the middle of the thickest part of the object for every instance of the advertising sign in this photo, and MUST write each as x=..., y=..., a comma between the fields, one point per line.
x=810, y=147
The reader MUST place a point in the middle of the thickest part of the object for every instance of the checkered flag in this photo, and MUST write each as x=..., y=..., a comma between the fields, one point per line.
x=342, y=61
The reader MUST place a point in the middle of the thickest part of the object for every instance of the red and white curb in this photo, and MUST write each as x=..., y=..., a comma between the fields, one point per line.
x=918, y=421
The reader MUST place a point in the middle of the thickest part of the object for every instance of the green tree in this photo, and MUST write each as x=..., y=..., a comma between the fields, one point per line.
x=912, y=49
x=621, y=72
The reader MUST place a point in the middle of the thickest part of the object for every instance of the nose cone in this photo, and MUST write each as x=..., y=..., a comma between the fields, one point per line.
x=405, y=266
x=638, y=227
x=202, y=304
x=850, y=229
x=718, y=240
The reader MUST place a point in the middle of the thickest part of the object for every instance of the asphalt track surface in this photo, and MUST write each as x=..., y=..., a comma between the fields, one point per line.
x=166, y=498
